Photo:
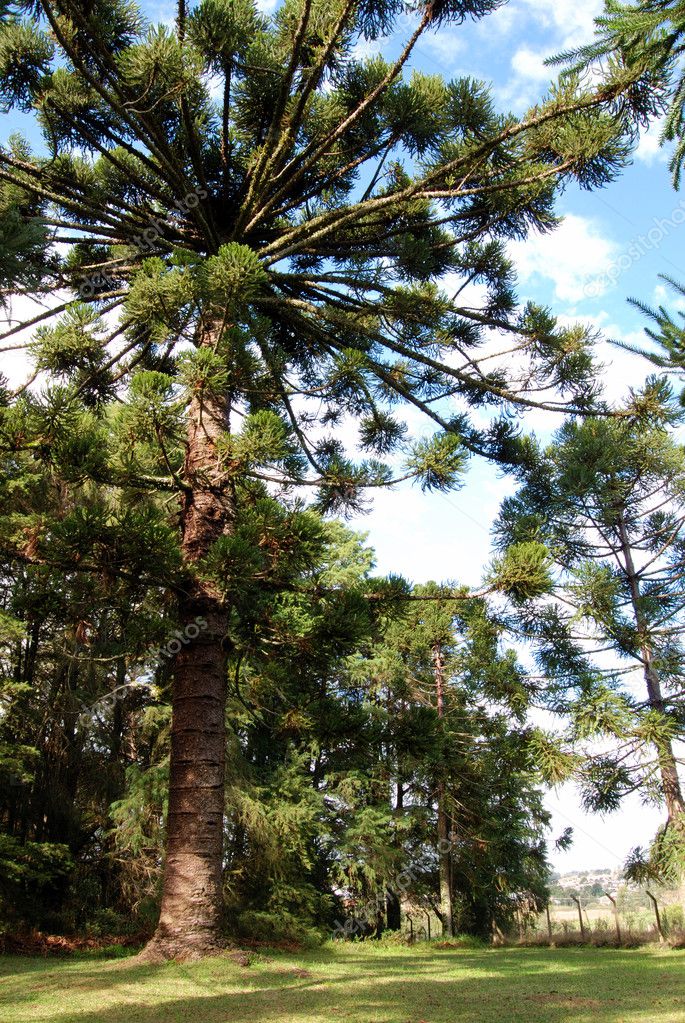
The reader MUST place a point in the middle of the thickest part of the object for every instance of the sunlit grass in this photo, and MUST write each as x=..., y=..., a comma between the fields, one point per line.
x=357, y=983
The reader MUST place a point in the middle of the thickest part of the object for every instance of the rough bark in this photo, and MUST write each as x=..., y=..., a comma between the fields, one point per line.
x=191, y=912
x=668, y=769
x=444, y=858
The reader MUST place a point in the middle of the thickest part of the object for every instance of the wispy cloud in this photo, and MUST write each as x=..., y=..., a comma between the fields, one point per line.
x=567, y=257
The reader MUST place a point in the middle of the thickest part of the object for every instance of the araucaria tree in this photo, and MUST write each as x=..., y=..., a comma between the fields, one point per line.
x=246, y=223
x=608, y=501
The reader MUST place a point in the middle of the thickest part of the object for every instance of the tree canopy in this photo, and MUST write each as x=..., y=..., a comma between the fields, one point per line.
x=246, y=238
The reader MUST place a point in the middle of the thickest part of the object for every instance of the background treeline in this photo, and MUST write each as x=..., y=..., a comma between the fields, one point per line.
x=361, y=727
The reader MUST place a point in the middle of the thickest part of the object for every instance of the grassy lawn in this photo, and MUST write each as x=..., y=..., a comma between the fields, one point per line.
x=359, y=984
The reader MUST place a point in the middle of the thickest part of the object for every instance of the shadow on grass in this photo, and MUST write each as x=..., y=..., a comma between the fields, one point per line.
x=535, y=986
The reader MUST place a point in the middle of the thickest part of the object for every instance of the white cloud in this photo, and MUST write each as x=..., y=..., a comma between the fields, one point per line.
x=365, y=49
x=436, y=536
x=570, y=257
x=162, y=12
x=501, y=22
x=599, y=841
x=559, y=26
x=668, y=297
x=622, y=369
x=528, y=82
x=472, y=294
x=16, y=364
x=442, y=48
x=571, y=21
x=531, y=64
x=649, y=149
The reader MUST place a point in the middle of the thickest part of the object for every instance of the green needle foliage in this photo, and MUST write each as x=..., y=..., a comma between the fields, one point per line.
x=255, y=174
x=452, y=702
x=667, y=331
x=258, y=236
x=607, y=499
x=645, y=40
x=336, y=748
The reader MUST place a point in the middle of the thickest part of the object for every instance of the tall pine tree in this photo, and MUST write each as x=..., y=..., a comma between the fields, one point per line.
x=245, y=223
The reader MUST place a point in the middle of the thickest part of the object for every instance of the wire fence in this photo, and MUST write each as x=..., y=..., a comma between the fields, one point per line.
x=573, y=920
x=659, y=918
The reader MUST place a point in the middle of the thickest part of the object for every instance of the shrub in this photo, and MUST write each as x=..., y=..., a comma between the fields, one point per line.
x=33, y=878
x=276, y=927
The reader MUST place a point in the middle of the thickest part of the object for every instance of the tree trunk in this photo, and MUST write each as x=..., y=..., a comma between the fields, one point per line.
x=668, y=769
x=444, y=857
x=393, y=904
x=445, y=864
x=191, y=911
x=393, y=910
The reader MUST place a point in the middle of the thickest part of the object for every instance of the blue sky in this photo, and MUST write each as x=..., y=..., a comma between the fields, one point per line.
x=612, y=244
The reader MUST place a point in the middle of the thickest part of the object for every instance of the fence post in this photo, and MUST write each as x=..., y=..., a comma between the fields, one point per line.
x=659, y=928
x=549, y=924
x=580, y=916
x=612, y=900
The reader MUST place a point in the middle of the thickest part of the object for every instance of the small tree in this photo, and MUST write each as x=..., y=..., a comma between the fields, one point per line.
x=451, y=693
x=607, y=498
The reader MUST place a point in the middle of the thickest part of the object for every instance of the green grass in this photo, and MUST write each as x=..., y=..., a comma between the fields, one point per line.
x=358, y=984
